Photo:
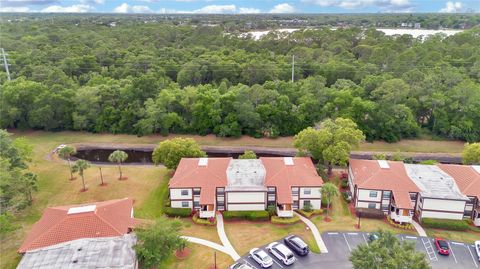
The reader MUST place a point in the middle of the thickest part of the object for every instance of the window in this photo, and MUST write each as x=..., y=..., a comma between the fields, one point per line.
x=295, y=192
x=384, y=207
x=220, y=191
x=467, y=213
x=386, y=195
x=306, y=203
x=372, y=205
x=184, y=192
x=413, y=196
x=373, y=194
x=220, y=203
x=185, y=204
x=196, y=192
x=196, y=204
x=307, y=191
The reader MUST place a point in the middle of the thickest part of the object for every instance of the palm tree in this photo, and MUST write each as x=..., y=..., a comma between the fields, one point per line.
x=329, y=190
x=118, y=156
x=65, y=153
x=80, y=166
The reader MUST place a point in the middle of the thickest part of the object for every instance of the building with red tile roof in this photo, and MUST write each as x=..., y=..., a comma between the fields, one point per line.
x=211, y=184
x=403, y=191
x=66, y=223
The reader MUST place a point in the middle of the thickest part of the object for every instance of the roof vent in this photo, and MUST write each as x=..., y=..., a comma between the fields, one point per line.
x=383, y=164
x=81, y=209
x=288, y=160
x=202, y=162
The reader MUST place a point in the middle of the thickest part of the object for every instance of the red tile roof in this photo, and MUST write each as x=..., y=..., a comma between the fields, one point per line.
x=110, y=218
x=367, y=174
x=284, y=177
x=466, y=177
x=190, y=175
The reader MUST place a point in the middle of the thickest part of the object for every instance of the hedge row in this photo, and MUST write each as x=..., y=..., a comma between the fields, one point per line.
x=369, y=213
x=178, y=212
x=279, y=220
x=447, y=224
x=406, y=226
x=309, y=214
x=210, y=221
x=247, y=215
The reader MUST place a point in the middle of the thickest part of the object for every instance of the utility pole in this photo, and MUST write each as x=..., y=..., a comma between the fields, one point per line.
x=5, y=64
x=293, y=68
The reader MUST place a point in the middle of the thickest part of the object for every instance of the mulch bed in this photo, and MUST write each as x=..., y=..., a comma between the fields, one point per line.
x=182, y=254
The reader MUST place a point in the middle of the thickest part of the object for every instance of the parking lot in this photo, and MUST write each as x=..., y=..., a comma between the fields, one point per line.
x=340, y=244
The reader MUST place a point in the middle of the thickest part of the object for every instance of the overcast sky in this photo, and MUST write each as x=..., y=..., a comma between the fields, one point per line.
x=239, y=6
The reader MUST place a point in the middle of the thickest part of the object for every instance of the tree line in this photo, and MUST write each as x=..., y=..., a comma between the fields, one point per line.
x=145, y=79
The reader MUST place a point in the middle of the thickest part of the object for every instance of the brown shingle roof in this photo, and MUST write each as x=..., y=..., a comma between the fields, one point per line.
x=367, y=174
x=110, y=218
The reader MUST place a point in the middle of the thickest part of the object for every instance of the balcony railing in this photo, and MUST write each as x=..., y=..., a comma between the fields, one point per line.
x=206, y=214
x=401, y=218
x=284, y=213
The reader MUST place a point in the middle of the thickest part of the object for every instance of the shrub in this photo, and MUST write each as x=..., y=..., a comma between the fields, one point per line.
x=447, y=224
x=429, y=162
x=406, y=226
x=178, y=212
x=344, y=184
x=369, y=213
x=307, y=207
x=247, y=215
x=279, y=220
x=271, y=210
x=346, y=197
x=311, y=213
x=209, y=221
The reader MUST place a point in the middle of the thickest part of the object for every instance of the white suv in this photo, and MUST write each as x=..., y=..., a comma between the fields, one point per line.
x=261, y=257
x=477, y=249
x=283, y=253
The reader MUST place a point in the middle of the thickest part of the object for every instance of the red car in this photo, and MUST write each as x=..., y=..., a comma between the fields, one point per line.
x=442, y=246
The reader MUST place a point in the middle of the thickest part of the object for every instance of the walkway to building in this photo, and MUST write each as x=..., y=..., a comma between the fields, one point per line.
x=316, y=234
x=207, y=243
x=223, y=237
x=419, y=228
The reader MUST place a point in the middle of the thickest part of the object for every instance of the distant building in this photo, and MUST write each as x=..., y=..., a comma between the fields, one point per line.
x=66, y=223
x=220, y=184
x=417, y=25
x=85, y=253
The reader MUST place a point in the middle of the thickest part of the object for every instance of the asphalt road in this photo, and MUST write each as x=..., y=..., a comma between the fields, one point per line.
x=340, y=244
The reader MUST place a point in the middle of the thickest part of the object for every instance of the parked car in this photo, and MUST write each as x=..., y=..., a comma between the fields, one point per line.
x=442, y=246
x=240, y=265
x=373, y=236
x=261, y=257
x=477, y=249
x=296, y=244
x=282, y=253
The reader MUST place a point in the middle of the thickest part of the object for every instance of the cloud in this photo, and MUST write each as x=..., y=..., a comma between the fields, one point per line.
x=216, y=9
x=248, y=10
x=24, y=3
x=126, y=8
x=68, y=9
x=392, y=5
x=92, y=2
x=452, y=7
x=15, y=9
x=282, y=8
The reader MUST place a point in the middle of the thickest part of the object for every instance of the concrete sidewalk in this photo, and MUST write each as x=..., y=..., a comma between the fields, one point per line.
x=223, y=237
x=316, y=233
x=207, y=243
x=419, y=228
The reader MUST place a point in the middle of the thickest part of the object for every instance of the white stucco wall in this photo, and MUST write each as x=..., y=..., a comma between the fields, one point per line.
x=445, y=205
x=350, y=180
x=365, y=195
x=316, y=204
x=177, y=194
x=178, y=204
x=314, y=193
x=245, y=207
x=245, y=197
x=365, y=205
x=442, y=215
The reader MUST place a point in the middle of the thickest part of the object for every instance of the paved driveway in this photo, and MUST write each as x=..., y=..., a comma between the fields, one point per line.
x=340, y=244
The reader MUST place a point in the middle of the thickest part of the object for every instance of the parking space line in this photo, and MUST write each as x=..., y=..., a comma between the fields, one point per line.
x=429, y=249
x=348, y=245
x=249, y=264
x=366, y=242
x=473, y=258
x=457, y=243
x=353, y=233
x=453, y=253
x=411, y=237
x=333, y=233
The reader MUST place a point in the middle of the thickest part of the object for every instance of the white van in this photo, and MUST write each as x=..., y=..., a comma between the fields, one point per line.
x=282, y=253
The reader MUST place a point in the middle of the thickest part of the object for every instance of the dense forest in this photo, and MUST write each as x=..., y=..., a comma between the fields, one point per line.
x=144, y=78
